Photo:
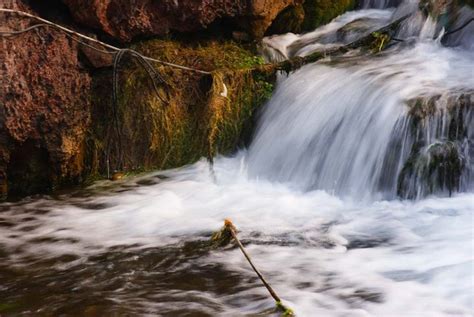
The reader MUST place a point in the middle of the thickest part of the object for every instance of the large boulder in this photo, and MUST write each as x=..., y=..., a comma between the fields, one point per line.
x=44, y=106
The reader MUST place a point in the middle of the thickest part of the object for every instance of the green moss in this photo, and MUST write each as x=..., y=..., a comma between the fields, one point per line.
x=286, y=312
x=380, y=41
x=188, y=116
x=319, y=12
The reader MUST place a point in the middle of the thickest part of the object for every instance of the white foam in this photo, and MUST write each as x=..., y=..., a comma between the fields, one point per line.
x=422, y=267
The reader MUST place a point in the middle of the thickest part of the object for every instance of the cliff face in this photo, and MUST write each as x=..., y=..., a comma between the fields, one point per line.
x=44, y=102
x=126, y=20
x=55, y=105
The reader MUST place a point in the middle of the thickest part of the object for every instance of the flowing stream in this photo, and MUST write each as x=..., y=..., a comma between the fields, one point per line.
x=319, y=198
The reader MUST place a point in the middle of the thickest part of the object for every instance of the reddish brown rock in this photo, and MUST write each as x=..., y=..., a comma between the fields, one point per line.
x=44, y=102
x=125, y=20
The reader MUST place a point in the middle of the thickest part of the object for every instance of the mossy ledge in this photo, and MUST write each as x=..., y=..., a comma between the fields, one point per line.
x=188, y=116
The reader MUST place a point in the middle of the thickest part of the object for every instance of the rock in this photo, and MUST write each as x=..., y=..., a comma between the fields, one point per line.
x=319, y=12
x=241, y=36
x=439, y=160
x=126, y=20
x=97, y=59
x=45, y=107
x=289, y=20
x=188, y=116
x=3, y=186
x=55, y=125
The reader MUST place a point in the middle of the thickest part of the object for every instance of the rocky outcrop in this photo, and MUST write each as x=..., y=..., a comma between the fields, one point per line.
x=44, y=107
x=55, y=106
x=184, y=117
x=126, y=20
x=439, y=160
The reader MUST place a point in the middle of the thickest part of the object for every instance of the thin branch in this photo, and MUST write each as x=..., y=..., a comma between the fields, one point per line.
x=298, y=61
x=229, y=228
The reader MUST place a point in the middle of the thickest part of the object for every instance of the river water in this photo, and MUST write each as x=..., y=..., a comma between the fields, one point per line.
x=314, y=198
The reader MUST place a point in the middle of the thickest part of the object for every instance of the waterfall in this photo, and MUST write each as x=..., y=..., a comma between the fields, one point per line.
x=341, y=198
x=382, y=126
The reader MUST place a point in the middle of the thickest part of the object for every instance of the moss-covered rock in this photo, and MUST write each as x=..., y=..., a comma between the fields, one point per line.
x=319, y=12
x=289, y=20
x=188, y=116
x=438, y=160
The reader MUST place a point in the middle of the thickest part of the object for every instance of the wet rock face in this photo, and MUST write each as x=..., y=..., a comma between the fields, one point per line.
x=440, y=159
x=188, y=116
x=46, y=92
x=44, y=102
x=126, y=20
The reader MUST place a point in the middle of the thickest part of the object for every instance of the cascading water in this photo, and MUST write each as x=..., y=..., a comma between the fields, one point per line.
x=336, y=139
x=348, y=128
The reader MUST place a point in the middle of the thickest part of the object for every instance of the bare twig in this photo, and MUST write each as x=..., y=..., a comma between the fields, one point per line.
x=229, y=229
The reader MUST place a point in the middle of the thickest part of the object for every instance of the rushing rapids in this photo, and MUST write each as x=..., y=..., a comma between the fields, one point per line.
x=319, y=197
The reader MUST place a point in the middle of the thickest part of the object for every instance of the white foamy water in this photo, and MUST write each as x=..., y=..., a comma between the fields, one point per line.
x=314, y=198
x=342, y=30
x=323, y=255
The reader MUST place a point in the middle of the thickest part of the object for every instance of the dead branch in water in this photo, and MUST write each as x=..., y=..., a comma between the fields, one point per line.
x=229, y=233
x=295, y=63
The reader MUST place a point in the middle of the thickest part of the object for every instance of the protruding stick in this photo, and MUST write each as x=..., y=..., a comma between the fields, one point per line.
x=223, y=234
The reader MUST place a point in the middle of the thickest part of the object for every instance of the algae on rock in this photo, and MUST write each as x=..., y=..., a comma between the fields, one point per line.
x=438, y=159
x=189, y=115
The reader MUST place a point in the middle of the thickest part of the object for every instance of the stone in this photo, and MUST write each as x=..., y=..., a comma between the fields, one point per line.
x=44, y=99
x=125, y=20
